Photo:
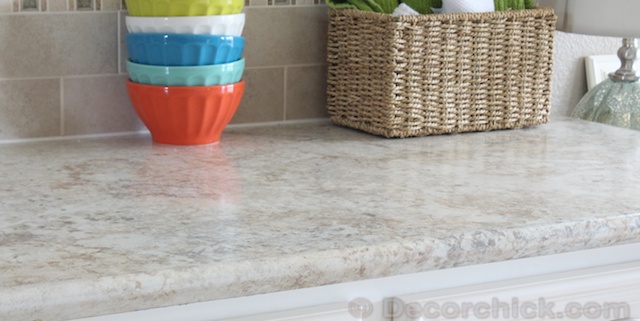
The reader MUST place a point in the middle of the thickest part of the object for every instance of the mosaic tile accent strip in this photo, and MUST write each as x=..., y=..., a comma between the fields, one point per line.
x=7, y=6
x=29, y=5
x=85, y=5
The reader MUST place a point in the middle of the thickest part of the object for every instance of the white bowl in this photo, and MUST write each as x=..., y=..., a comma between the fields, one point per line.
x=228, y=25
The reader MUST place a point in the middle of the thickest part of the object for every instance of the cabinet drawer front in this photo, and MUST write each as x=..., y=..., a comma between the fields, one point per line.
x=330, y=312
x=606, y=293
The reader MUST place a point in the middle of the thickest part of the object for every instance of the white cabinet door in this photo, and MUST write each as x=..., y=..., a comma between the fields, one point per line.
x=607, y=293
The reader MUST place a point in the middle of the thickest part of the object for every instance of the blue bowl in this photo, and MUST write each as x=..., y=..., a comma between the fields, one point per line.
x=183, y=49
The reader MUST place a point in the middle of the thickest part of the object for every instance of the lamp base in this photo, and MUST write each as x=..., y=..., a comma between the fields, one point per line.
x=611, y=102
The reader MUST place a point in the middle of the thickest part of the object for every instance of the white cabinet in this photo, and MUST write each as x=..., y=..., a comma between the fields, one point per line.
x=590, y=278
x=330, y=312
x=605, y=293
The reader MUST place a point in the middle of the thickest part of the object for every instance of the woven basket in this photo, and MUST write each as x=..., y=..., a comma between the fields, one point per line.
x=439, y=73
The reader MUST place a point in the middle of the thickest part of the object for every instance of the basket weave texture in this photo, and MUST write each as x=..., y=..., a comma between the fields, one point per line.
x=439, y=73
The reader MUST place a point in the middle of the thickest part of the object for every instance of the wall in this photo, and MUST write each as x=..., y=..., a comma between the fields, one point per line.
x=62, y=66
x=569, y=82
x=62, y=69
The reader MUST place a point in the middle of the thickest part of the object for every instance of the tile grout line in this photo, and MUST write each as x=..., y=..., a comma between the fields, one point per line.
x=61, y=106
x=314, y=64
x=118, y=46
x=59, y=76
x=32, y=78
x=284, y=94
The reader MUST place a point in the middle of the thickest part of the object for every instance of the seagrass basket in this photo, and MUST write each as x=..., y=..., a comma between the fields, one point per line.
x=439, y=73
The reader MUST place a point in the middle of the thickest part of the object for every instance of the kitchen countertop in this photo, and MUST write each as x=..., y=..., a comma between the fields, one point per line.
x=105, y=225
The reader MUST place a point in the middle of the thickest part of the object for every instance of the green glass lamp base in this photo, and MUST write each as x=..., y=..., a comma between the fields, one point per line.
x=611, y=102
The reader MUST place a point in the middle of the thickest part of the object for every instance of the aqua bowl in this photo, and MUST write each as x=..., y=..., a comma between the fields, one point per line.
x=183, y=49
x=208, y=75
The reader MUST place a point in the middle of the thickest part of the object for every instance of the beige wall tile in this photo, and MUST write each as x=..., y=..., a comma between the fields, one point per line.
x=6, y=6
x=29, y=108
x=73, y=44
x=286, y=35
x=263, y=99
x=306, y=92
x=97, y=104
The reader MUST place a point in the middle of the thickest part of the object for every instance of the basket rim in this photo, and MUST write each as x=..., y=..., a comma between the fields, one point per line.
x=466, y=16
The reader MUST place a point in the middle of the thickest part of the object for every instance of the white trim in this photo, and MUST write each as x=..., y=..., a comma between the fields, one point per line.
x=599, y=67
x=601, y=287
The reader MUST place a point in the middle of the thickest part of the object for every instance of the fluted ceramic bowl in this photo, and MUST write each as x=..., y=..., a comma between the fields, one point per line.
x=207, y=75
x=226, y=25
x=179, y=115
x=183, y=49
x=170, y=8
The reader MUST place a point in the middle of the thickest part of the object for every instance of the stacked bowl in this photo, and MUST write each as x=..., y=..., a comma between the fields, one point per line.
x=185, y=67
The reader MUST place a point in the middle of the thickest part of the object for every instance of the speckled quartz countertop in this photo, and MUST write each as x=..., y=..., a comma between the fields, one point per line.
x=107, y=225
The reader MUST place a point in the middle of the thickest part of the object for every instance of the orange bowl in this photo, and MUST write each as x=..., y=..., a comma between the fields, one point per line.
x=182, y=115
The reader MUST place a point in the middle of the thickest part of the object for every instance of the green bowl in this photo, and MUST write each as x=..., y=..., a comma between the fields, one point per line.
x=206, y=75
x=172, y=8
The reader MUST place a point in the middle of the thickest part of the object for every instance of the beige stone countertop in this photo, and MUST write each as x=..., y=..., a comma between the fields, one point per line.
x=105, y=225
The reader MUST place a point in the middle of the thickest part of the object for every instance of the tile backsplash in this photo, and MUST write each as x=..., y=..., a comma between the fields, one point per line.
x=111, y=5
x=62, y=66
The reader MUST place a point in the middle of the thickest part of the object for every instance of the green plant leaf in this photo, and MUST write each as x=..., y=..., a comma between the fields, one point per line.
x=340, y=4
x=373, y=5
x=361, y=4
x=503, y=5
x=387, y=6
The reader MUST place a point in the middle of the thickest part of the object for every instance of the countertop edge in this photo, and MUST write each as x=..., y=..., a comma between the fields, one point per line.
x=83, y=298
